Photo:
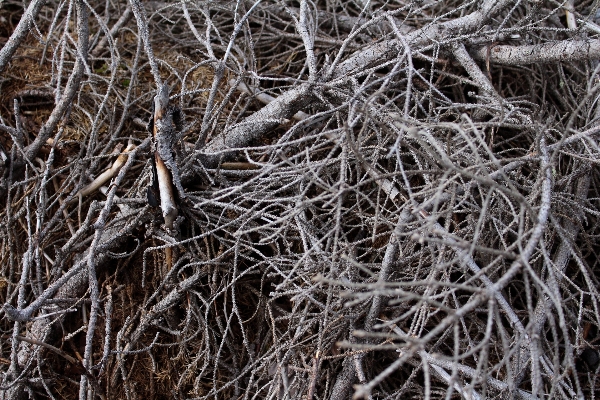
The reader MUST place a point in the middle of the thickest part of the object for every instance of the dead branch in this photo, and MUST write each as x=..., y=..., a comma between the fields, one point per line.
x=20, y=32
x=368, y=199
x=562, y=51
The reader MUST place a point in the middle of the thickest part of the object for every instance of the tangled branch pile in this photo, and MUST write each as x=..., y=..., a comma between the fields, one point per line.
x=369, y=199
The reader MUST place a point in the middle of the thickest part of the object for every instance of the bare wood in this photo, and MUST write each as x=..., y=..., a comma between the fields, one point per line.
x=569, y=13
x=108, y=174
x=165, y=165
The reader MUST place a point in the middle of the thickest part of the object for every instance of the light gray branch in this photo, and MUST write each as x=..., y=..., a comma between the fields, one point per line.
x=543, y=53
x=20, y=32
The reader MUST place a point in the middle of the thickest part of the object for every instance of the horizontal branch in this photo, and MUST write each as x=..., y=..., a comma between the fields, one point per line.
x=264, y=97
x=431, y=33
x=258, y=124
x=544, y=53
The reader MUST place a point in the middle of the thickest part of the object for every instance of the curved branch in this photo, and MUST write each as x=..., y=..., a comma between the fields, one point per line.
x=20, y=32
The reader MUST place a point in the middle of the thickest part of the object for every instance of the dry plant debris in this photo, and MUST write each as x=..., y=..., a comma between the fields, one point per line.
x=299, y=200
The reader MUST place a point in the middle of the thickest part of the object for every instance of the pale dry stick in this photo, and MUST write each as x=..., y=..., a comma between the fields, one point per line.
x=62, y=44
x=51, y=29
x=205, y=43
x=569, y=13
x=20, y=32
x=108, y=308
x=435, y=148
x=587, y=134
x=462, y=56
x=589, y=25
x=124, y=208
x=257, y=124
x=8, y=129
x=14, y=362
x=219, y=70
x=107, y=175
x=20, y=133
x=210, y=26
x=53, y=349
x=42, y=206
x=410, y=67
x=563, y=386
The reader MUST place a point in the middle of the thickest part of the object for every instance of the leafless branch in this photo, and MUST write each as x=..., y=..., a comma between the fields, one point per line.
x=350, y=199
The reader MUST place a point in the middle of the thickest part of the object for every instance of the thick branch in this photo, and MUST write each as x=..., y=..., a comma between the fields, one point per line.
x=257, y=124
x=21, y=31
x=431, y=33
x=544, y=53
